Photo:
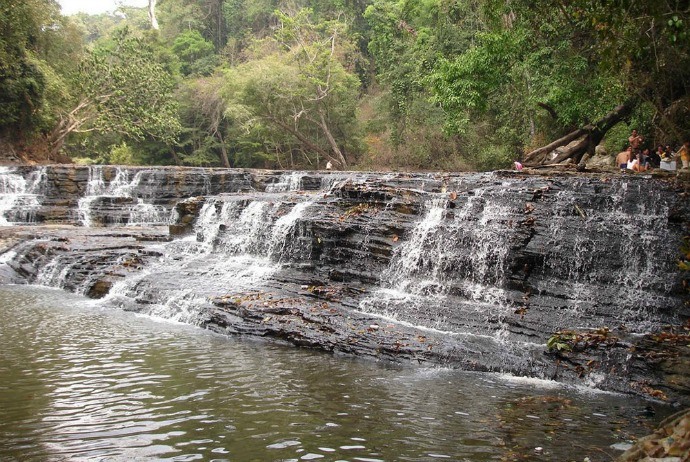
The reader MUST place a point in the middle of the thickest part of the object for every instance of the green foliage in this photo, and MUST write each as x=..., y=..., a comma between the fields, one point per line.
x=85, y=161
x=407, y=40
x=126, y=91
x=516, y=75
x=38, y=49
x=121, y=154
x=684, y=262
x=438, y=84
x=304, y=98
x=560, y=342
x=195, y=53
x=616, y=139
x=569, y=340
x=492, y=157
x=578, y=60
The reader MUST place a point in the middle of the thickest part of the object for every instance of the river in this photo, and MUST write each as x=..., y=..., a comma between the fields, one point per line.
x=84, y=382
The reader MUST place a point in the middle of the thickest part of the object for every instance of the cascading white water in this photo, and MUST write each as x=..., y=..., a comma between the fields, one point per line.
x=96, y=187
x=279, y=243
x=19, y=197
x=412, y=267
x=453, y=257
x=140, y=212
x=581, y=257
x=287, y=182
x=53, y=274
x=143, y=213
x=229, y=253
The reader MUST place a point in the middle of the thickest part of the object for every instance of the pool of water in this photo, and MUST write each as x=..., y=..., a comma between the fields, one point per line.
x=82, y=382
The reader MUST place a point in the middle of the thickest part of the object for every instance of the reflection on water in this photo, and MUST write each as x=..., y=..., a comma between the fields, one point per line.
x=84, y=383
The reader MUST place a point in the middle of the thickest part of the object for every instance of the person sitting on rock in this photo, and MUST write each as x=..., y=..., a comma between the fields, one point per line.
x=643, y=159
x=622, y=159
x=634, y=163
x=669, y=152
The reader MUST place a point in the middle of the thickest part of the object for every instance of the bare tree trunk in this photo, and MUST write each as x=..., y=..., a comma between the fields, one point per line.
x=152, y=14
x=223, y=151
x=67, y=124
x=332, y=141
x=175, y=157
x=302, y=139
x=591, y=135
x=539, y=155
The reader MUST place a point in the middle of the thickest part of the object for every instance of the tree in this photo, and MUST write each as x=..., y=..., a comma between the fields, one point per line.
x=205, y=109
x=195, y=53
x=122, y=90
x=302, y=89
x=152, y=15
x=578, y=67
x=406, y=39
x=38, y=49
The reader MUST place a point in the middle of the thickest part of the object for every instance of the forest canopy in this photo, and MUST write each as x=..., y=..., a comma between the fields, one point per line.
x=367, y=84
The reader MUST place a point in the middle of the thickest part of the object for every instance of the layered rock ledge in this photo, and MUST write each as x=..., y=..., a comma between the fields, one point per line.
x=564, y=277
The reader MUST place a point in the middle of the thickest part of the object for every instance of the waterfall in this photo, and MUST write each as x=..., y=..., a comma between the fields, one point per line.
x=111, y=196
x=237, y=246
x=483, y=266
x=449, y=274
x=617, y=255
x=287, y=182
x=20, y=197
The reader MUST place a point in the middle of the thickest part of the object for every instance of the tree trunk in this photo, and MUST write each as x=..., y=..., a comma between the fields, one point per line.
x=67, y=124
x=152, y=14
x=175, y=157
x=332, y=141
x=591, y=135
x=302, y=139
x=223, y=151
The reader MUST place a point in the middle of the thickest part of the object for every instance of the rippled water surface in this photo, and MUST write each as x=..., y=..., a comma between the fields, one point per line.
x=79, y=382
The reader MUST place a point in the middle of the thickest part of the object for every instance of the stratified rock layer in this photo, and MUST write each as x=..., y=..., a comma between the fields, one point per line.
x=476, y=271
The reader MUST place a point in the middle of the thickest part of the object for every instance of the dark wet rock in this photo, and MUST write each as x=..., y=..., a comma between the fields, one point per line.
x=486, y=268
x=187, y=212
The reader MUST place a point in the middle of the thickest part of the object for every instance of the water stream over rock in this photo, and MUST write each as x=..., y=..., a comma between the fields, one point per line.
x=475, y=271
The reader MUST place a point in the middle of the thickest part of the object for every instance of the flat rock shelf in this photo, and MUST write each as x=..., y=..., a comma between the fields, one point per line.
x=573, y=278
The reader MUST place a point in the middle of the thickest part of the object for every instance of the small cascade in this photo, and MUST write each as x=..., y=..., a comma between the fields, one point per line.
x=235, y=226
x=54, y=274
x=409, y=268
x=20, y=197
x=238, y=244
x=287, y=182
x=333, y=180
x=142, y=214
x=120, y=201
x=262, y=227
x=449, y=274
x=617, y=255
x=280, y=245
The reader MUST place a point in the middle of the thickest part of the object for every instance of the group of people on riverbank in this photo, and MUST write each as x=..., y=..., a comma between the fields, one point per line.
x=638, y=158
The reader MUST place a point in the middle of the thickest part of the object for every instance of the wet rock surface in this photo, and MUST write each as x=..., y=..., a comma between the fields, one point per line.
x=477, y=271
x=669, y=443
